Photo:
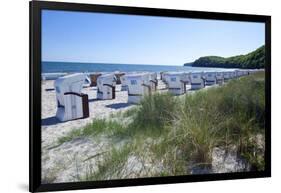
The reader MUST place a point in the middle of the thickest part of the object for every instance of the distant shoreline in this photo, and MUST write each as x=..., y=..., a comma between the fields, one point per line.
x=64, y=67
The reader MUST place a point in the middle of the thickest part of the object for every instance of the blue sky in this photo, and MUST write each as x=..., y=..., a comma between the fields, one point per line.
x=114, y=38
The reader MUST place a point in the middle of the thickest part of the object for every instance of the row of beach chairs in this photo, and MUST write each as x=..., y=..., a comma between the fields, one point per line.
x=73, y=104
x=176, y=81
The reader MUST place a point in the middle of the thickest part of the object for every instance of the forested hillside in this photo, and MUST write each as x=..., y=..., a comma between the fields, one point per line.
x=255, y=59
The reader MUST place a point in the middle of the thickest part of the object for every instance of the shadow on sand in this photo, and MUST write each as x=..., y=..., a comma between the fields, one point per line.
x=93, y=100
x=49, y=89
x=118, y=105
x=49, y=121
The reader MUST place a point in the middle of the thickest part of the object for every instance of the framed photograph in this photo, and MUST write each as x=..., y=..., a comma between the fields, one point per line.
x=126, y=96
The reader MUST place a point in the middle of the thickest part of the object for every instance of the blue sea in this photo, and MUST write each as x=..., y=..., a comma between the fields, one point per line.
x=71, y=67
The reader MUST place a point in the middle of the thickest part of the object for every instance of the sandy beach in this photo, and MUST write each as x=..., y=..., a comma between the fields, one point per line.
x=74, y=159
x=53, y=129
x=69, y=161
x=58, y=163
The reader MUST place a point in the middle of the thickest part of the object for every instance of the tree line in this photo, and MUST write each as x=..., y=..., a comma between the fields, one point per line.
x=255, y=59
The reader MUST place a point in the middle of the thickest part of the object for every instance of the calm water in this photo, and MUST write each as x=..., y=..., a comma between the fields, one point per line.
x=58, y=67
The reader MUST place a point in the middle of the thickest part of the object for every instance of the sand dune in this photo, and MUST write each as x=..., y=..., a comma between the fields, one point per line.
x=58, y=162
x=66, y=162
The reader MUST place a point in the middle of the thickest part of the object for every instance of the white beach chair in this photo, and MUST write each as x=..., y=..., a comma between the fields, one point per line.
x=219, y=78
x=71, y=103
x=197, y=80
x=210, y=78
x=138, y=85
x=227, y=76
x=176, y=82
x=106, y=86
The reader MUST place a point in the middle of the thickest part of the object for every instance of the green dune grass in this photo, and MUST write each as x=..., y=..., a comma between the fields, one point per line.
x=170, y=135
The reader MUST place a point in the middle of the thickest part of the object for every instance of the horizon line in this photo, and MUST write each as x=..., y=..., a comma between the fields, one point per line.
x=114, y=63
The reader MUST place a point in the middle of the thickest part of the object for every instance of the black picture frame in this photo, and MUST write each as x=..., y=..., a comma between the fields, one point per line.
x=35, y=184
